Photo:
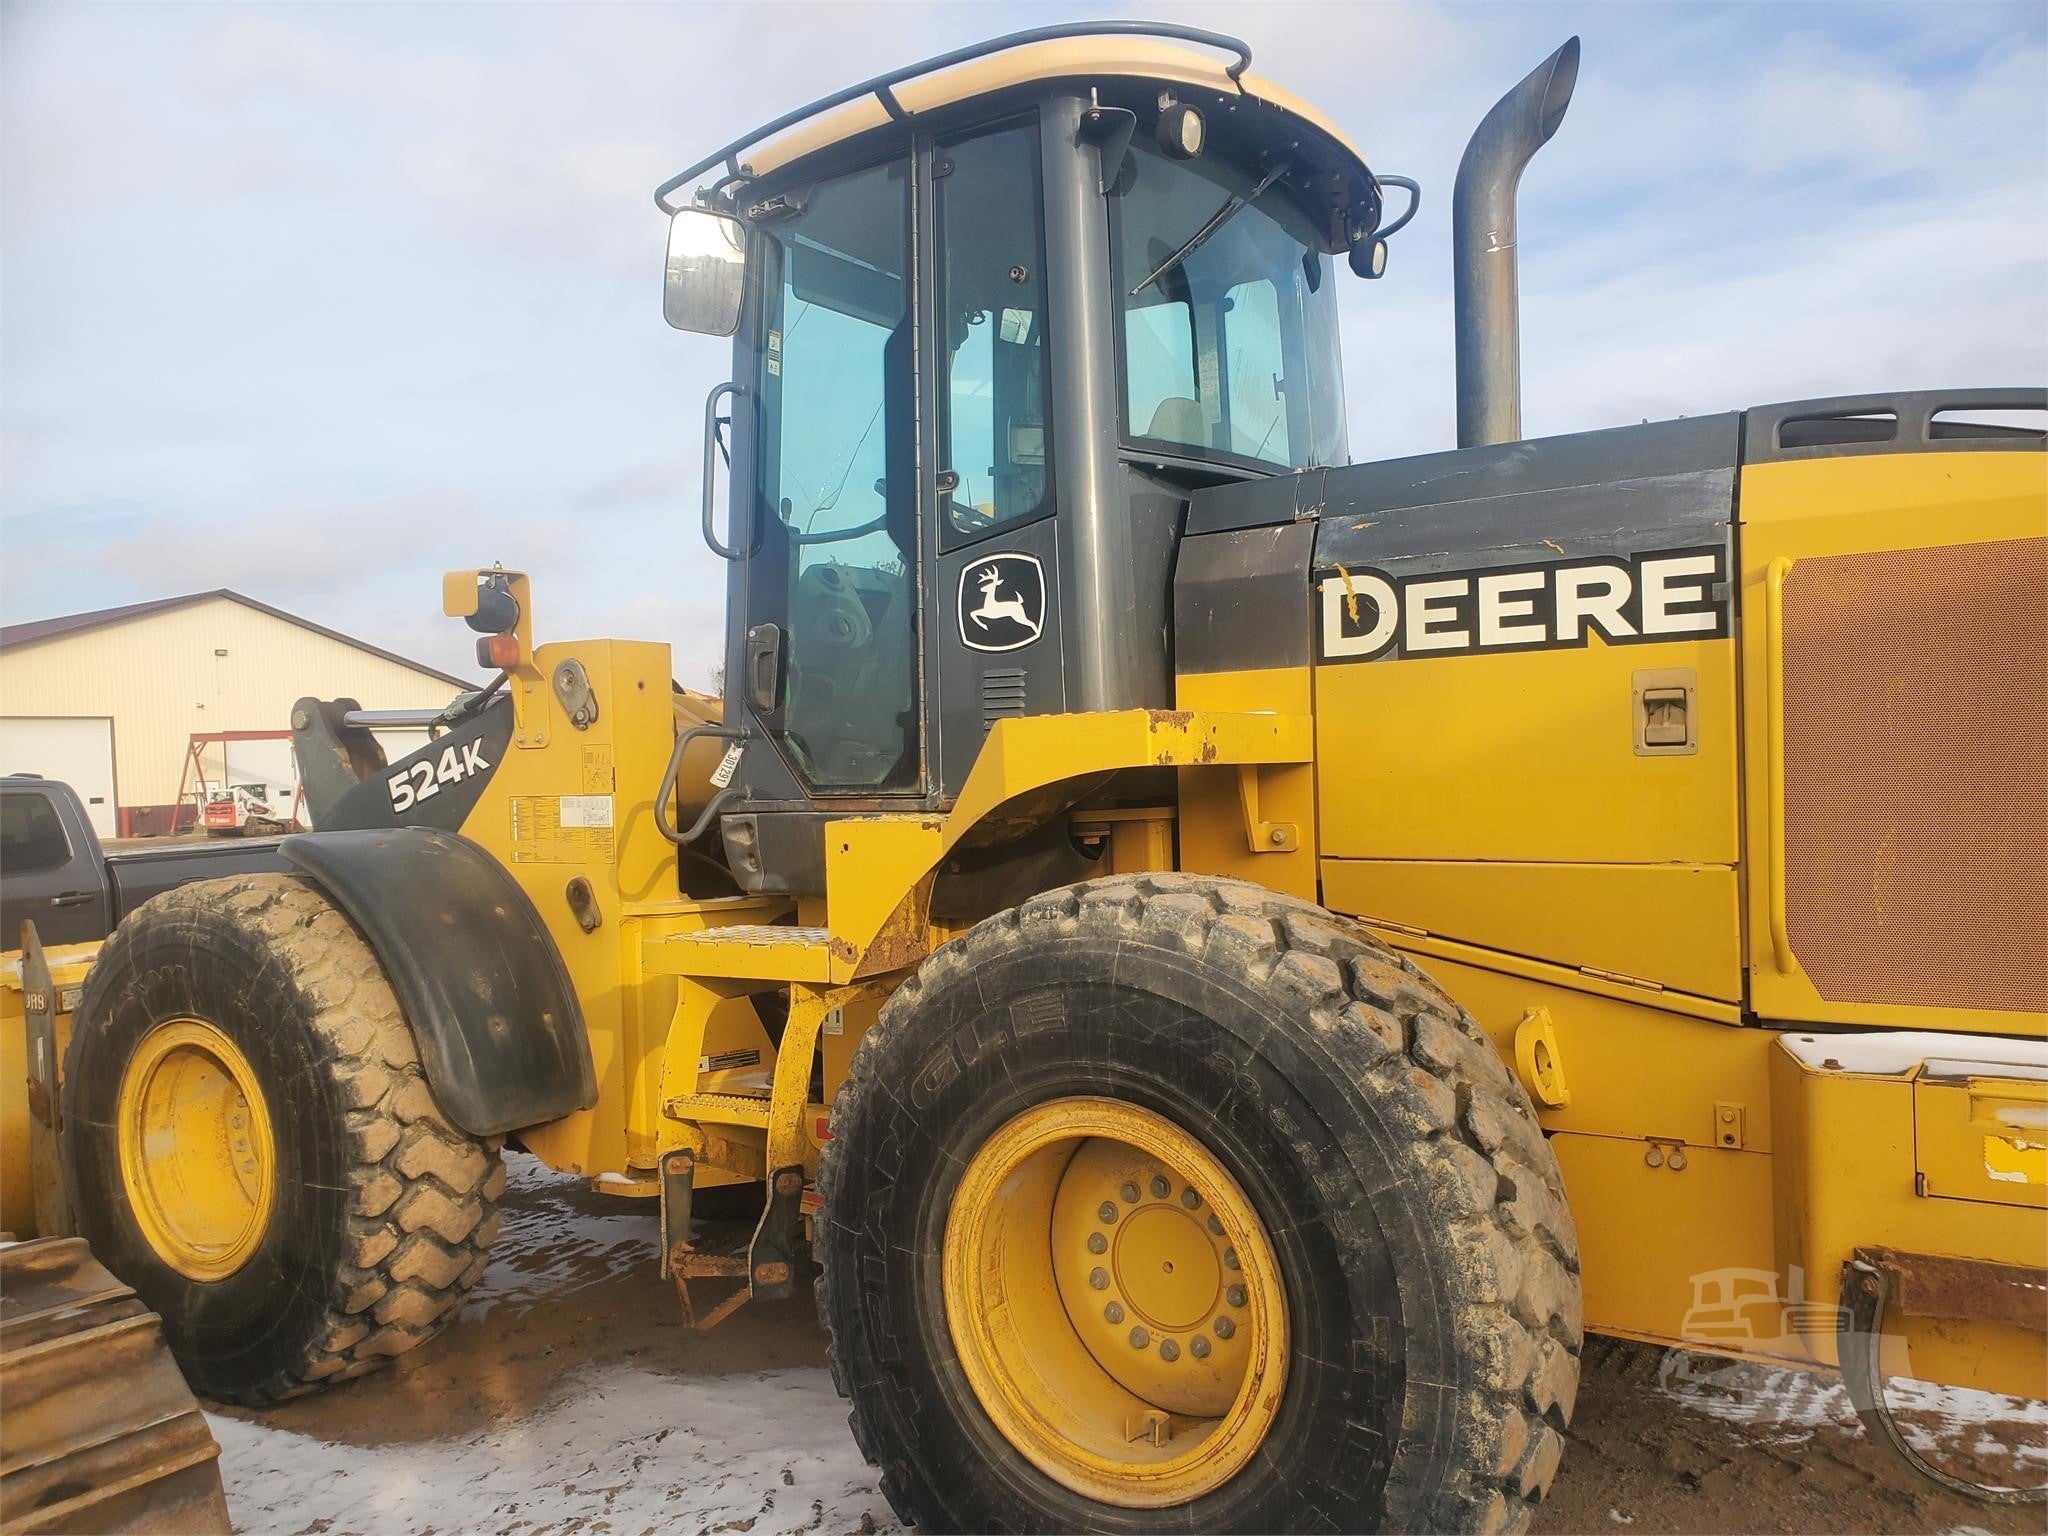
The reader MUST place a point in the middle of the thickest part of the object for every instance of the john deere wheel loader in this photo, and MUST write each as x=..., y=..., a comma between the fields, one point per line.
x=1230, y=961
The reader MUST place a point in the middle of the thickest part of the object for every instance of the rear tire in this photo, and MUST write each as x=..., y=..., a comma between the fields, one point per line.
x=253, y=1146
x=1428, y=1261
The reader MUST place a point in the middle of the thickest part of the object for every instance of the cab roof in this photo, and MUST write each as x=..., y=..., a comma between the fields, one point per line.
x=1158, y=53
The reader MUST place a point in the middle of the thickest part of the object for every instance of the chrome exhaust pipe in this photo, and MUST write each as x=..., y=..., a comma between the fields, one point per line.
x=1488, y=323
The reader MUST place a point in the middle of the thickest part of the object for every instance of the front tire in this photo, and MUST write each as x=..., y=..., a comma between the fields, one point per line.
x=1391, y=1213
x=254, y=1148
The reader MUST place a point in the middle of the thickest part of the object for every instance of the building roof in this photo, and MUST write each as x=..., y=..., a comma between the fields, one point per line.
x=99, y=618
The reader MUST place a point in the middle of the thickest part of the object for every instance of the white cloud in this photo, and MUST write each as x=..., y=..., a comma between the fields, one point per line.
x=380, y=281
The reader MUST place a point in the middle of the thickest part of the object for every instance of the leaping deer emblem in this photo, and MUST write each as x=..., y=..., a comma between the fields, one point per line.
x=990, y=579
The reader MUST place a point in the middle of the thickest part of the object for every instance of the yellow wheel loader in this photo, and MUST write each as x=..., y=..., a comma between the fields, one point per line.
x=1229, y=961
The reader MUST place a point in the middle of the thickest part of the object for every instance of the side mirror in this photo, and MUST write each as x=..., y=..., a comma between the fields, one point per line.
x=707, y=267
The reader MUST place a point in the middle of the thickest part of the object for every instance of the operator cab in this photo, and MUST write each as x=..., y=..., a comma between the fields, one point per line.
x=993, y=317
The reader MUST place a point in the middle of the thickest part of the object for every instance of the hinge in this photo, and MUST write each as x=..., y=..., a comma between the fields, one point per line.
x=1393, y=927
x=1621, y=977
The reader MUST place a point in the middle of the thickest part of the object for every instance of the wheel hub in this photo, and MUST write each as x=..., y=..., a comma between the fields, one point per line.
x=197, y=1158
x=1115, y=1303
x=1143, y=1268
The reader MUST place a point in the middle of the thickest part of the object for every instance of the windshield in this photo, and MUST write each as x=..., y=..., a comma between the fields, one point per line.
x=1230, y=354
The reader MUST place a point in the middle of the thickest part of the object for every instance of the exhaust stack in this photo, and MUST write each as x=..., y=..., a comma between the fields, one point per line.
x=1488, y=323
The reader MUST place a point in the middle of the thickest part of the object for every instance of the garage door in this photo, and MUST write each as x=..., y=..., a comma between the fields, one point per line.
x=80, y=751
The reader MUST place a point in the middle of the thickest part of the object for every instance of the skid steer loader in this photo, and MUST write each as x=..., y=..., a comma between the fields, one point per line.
x=1230, y=961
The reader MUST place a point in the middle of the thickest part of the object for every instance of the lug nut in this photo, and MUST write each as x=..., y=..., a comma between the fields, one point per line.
x=1215, y=1227
x=1168, y=1350
x=1140, y=1338
x=1225, y=1328
x=1097, y=1242
x=1230, y=1258
x=1160, y=1188
x=1098, y=1277
x=1235, y=1295
x=1199, y=1347
x=1190, y=1199
x=1129, y=1193
x=1114, y=1312
x=1107, y=1211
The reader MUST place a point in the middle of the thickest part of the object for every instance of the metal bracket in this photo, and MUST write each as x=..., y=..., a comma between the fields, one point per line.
x=583, y=905
x=1264, y=836
x=579, y=700
x=680, y=1260
x=1540, y=1061
x=40, y=1003
x=1869, y=1279
x=1109, y=129
x=771, y=1257
x=1729, y=1126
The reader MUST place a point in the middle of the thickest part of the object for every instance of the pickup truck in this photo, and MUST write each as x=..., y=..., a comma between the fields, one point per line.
x=53, y=869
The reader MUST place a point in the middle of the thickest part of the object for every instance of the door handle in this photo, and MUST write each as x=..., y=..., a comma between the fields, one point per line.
x=764, y=666
x=73, y=898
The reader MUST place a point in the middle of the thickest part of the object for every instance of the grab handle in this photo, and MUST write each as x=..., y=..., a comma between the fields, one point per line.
x=1774, y=767
x=711, y=450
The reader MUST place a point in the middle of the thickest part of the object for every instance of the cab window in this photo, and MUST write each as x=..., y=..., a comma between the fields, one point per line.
x=1230, y=352
x=835, y=521
x=991, y=306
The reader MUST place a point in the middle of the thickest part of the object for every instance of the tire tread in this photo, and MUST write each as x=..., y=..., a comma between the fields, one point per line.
x=426, y=1192
x=1437, y=1073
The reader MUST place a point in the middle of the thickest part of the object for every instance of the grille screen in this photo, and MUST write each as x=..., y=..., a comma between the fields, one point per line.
x=1916, y=775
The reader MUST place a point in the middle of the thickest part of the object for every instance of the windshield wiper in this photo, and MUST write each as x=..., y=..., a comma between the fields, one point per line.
x=1200, y=238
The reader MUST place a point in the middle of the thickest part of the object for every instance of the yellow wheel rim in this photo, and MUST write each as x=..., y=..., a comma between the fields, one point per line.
x=197, y=1160
x=1115, y=1303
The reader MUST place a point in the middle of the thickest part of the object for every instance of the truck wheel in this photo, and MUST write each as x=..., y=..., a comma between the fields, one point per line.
x=1167, y=1203
x=254, y=1149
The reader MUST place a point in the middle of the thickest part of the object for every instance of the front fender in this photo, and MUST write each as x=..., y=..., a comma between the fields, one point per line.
x=500, y=1035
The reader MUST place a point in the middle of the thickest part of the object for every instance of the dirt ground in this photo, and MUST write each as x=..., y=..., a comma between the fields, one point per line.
x=570, y=1398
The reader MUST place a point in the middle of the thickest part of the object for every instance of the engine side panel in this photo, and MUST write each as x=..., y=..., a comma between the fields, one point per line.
x=1493, y=630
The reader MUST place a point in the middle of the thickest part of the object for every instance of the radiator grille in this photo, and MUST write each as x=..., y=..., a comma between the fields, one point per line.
x=1916, y=775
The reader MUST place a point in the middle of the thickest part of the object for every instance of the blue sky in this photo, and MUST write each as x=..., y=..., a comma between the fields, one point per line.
x=317, y=301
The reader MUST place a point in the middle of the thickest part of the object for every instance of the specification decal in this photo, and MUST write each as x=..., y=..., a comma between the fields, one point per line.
x=586, y=811
x=562, y=829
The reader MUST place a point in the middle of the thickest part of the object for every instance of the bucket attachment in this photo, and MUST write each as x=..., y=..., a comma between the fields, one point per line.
x=102, y=1433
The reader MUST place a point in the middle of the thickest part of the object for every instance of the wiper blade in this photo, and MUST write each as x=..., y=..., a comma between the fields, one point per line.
x=1201, y=237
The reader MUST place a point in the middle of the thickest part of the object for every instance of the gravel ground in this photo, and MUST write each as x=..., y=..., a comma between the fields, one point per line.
x=570, y=1398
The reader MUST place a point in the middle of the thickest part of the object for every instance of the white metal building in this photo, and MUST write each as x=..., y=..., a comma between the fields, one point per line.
x=111, y=701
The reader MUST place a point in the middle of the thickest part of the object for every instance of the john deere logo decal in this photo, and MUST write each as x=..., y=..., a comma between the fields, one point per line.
x=1002, y=602
x=1633, y=600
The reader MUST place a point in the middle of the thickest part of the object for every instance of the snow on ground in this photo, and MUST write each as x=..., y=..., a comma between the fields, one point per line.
x=1786, y=1406
x=623, y=1450
x=569, y=1398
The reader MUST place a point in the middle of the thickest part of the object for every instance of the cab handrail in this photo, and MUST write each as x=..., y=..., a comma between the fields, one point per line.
x=881, y=86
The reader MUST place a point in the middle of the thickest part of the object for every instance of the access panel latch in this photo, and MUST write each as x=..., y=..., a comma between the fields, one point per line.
x=1666, y=712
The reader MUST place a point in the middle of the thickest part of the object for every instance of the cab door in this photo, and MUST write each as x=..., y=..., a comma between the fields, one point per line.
x=994, y=645
x=829, y=665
